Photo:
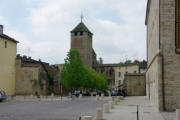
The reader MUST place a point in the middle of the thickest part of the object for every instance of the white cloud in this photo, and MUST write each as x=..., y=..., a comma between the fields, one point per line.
x=118, y=27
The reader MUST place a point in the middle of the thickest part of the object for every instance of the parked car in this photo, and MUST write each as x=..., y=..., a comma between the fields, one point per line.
x=94, y=93
x=85, y=93
x=76, y=93
x=2, y=95
x=106, y=93
x=114, y=93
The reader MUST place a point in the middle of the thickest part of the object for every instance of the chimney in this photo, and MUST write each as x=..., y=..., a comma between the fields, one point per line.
x=1, y=29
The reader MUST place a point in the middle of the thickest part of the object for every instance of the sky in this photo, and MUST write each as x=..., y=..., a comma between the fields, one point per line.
x=43, y=27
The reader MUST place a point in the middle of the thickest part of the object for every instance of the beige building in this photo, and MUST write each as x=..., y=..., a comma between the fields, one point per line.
x=135, y=84
x=115, y=73
x=163, y=53
x=8, y=48
x=121, y=70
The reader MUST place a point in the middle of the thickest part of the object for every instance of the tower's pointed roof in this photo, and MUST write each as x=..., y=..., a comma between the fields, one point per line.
x=81, y=27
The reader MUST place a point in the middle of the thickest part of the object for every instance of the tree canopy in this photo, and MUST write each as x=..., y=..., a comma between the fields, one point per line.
x=75, y=75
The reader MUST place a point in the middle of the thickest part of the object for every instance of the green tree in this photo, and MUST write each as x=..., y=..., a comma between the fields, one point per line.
x=73, y=72
x=75, y=75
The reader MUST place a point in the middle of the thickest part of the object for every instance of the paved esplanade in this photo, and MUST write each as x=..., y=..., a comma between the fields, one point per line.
x=127, y=110
x=48, y=110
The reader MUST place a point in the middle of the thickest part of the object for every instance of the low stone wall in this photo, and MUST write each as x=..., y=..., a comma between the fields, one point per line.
x=135, y=84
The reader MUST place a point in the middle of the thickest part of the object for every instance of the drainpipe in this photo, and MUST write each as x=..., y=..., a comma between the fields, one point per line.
x=163, y=84
x=162, y=63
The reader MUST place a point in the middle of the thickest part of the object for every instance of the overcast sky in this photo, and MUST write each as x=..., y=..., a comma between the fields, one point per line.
x=43, y=27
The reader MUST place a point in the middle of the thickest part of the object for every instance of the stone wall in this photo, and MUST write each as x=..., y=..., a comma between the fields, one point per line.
x=171, y=59
x=32, y=77
x=163, y=75
x=135, y=84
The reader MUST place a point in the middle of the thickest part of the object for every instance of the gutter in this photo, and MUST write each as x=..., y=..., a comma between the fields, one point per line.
x=162, y=63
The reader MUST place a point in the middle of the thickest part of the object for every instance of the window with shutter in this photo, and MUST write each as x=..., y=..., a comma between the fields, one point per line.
x=178, y=26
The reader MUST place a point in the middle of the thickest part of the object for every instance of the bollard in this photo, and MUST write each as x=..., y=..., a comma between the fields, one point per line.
x=119, y=99
x=106, y=108
x=80, y=96
x=122, y=97
x=99, y=114
x=177, y=114
x=111, y=104
x=86, y=118
x=115, y=101
x=102, y=96
x=97, y=97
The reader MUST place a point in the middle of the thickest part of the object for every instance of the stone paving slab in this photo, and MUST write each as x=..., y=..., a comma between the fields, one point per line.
x=127, y=110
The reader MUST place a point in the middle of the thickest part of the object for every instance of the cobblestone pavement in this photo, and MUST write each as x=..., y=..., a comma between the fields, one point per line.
x=48, y=110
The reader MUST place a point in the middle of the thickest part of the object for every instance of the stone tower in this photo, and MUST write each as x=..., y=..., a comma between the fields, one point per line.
x=81, y=40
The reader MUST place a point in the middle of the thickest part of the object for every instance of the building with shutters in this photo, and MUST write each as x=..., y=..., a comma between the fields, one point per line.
x=163, y=53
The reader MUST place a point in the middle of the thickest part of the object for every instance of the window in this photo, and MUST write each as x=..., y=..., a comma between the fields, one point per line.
x=177, y=43
x=119, y=74
x=5, y=44
x=81, y=33
x=75, y=33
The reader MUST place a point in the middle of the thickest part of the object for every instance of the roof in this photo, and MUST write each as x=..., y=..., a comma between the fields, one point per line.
x=115, y=65
x=81, y=27
x=9, y=38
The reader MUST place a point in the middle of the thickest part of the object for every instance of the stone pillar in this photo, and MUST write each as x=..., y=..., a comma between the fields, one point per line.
x=106, y=108
x=119, y=99
x=102, y=96
x=99, y=114
x=122, y=97
x=111, y=104
x=80, y=96
x=97, y=97
x=115, y=101
x=177, y=114
x=87, y=118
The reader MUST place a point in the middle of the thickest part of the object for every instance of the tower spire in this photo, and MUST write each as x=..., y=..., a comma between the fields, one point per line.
x=81, y=17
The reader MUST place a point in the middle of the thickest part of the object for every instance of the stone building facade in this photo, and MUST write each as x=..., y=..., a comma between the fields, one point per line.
x=135, y=84
x=82, y=40
x=8, y=48
x=33, y=77
x=108, y=70
x=121, y=70
x=115, y=73
x=163, y=53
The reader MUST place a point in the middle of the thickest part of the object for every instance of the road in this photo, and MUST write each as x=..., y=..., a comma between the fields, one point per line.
x=48, y=110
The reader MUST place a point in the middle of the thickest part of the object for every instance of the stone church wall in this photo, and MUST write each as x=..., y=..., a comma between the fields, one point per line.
x=171, y=59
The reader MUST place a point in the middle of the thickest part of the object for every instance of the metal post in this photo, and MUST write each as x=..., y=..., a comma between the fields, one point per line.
x=61, y=91
x=137, y=112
